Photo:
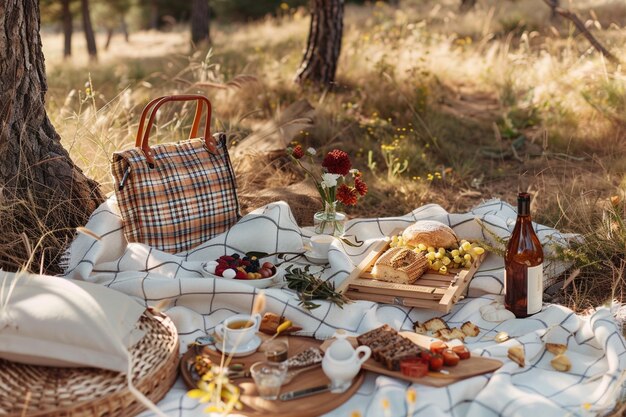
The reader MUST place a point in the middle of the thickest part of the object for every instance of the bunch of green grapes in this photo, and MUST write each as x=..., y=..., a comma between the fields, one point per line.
x=442, y=259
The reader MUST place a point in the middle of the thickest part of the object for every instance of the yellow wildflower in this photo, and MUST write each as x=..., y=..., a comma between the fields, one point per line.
x=411, y=396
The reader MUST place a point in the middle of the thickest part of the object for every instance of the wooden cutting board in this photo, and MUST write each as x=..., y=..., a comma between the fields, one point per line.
x=255, y=406
x=476, y=365
x=433, y=291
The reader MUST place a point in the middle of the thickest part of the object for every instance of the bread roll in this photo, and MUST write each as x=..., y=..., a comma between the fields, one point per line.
x=430, y=233
x=400, y=265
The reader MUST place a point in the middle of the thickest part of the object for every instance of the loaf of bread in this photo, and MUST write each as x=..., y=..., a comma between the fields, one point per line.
x=430, y=233
x=400, y=265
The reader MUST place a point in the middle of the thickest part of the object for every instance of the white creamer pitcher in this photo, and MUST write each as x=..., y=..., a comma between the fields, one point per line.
x=342, y=362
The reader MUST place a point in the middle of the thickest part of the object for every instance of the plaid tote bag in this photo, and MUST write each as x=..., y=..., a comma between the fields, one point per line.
x=175, y=196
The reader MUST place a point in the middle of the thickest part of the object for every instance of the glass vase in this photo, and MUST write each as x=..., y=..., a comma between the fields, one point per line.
x=329, y=221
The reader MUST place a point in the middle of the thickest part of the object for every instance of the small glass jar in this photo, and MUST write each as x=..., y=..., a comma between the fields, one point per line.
x=276, y=351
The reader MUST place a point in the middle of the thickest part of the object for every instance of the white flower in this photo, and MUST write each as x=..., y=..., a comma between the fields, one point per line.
x=329, y=180
x=311, y=151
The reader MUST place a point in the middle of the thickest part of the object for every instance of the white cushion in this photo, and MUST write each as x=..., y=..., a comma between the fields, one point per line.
x=54, y=321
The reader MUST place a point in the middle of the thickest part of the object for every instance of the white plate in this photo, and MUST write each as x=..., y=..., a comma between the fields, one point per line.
x=316, y=258
x=241, y=350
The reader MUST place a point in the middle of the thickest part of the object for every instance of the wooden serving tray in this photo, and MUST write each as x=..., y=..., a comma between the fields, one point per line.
x=255, y=406
x=475, y=365
x=432, y=290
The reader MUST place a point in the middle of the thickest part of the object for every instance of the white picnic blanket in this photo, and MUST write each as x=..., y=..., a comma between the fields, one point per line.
x=198, y=303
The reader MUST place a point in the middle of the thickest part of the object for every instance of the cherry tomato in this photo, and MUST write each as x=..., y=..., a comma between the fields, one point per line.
x=436, y=363
x=462, y=351
x=450, y=358
x=438, y=347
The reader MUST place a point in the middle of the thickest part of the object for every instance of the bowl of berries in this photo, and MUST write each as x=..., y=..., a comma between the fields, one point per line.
x=247, y=269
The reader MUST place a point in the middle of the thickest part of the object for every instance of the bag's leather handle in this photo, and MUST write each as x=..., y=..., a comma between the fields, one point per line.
x=153, y=106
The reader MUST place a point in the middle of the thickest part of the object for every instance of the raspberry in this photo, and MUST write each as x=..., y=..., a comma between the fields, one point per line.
x=298, y=152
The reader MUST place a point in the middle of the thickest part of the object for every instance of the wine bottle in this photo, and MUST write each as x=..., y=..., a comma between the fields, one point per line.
x=523, y=263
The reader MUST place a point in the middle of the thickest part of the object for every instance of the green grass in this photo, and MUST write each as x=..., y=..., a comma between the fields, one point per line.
x=480, y=105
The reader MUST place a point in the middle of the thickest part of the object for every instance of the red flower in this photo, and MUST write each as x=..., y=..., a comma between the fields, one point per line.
x=337, y=162
x=297, y=152
x=347, y=195
x=360, y=186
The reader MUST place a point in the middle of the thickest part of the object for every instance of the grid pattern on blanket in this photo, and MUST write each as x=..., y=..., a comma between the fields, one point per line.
x=198, y=303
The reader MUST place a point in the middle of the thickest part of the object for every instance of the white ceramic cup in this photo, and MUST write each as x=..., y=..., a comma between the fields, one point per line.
x=241, y=335
x=320, y=244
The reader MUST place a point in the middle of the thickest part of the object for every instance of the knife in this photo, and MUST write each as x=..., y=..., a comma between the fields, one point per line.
x=292, y=395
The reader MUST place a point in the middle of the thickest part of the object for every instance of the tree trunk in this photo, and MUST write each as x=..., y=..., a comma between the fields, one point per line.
x=125, y=29
x=154, y=15
x=467, y=5
x=89, y=36
x=67, y=28
x=553, y=5
x=200, y=22
x=109, y=37
x=319, y=63
x=44, y=195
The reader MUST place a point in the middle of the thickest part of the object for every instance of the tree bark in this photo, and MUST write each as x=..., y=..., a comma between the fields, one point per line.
x=200, y=22
x=44, y=196
x=67, y=28
x=319, y=63
x=88, y=29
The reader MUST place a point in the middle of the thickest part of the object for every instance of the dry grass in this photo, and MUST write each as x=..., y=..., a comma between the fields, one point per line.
x=479, y=105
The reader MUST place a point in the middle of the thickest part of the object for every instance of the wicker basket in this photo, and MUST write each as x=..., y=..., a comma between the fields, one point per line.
x=82, y=392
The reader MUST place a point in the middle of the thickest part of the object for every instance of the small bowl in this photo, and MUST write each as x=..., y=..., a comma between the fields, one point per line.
x=260, y=282
x=257, y=283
